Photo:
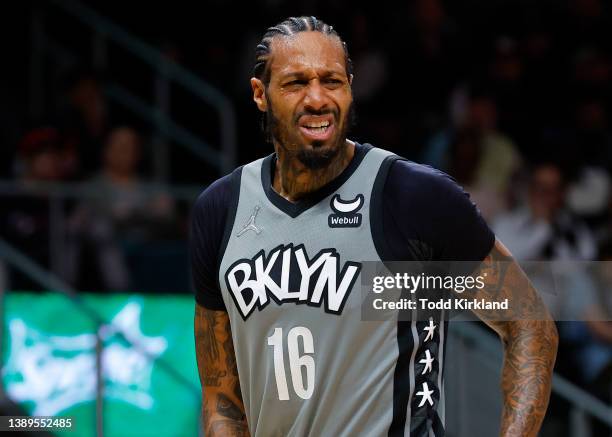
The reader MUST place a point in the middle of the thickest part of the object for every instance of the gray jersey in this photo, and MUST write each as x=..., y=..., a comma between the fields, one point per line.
x=290, y=279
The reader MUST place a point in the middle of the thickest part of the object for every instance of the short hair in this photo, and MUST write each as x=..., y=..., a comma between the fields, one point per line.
x=39, y=140
x=288, y=27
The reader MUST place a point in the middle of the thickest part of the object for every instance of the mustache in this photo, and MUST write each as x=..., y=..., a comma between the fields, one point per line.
x=300, y=114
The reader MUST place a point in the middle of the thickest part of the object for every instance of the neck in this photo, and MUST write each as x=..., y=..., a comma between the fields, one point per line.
x=293, y=180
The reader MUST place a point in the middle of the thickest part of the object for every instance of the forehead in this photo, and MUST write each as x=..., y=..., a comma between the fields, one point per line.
x=547, y=175
x=307, y=51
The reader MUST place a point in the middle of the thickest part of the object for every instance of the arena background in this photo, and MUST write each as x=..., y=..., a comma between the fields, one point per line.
x=115, y=115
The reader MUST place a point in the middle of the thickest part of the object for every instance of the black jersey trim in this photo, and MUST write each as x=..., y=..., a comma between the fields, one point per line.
x=376, y=209
x=294, y=209
x=401, y=379
x=437, y=426
x=235, y=180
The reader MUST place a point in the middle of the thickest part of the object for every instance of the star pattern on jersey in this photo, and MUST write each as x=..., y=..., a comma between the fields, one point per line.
x=430, y=329
x=428, y=361
x=426, y=395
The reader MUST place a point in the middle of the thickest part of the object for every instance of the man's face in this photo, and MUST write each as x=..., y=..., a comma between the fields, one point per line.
x=122, y=151
x=308, y=99
x=546, y=192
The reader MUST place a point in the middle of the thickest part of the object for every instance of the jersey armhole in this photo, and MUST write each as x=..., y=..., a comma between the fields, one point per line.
x=376, y=209
x=235, y=179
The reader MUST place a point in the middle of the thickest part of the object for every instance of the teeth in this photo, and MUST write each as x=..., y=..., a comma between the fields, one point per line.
x=318, y=125
x=318, y=129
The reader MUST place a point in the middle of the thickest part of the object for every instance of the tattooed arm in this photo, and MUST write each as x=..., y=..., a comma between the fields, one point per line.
x=530, y=343
x=222, y=406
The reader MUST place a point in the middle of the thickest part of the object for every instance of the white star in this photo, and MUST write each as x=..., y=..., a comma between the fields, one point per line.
x=426, y=393
x=430, y=329
x=427, y=361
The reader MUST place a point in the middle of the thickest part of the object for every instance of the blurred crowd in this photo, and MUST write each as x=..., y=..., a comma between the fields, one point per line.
x=94, y=241
x=512, y=98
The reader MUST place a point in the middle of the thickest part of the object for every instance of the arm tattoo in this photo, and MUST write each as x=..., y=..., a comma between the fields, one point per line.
x=504, y=279
x=226, y=407
x=207, y=349
x=526, y=377
x=230, y=359
x=228, y=428
x=222, y=405
x=530, y=343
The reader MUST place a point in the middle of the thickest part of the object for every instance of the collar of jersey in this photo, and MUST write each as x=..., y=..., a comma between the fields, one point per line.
x=294, y=209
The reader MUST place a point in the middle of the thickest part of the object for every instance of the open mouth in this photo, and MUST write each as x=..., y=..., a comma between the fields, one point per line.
x=317, y=128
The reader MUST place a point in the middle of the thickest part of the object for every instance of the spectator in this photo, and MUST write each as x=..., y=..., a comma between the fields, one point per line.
x=123, y=212
x=495, y=159
x=597, y=313
x=134, y=212
x=588, y=337
x=370, y=63
x=84, y=122
x=466, y=157
x=544, y=229
x=506, y=77
x=592, y=160
x=26, y=220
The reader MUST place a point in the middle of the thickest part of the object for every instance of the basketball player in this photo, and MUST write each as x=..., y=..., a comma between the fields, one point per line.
x=277, y=247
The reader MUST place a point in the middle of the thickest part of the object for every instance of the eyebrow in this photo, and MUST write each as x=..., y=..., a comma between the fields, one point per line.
x=293, y=74
x=302, y=75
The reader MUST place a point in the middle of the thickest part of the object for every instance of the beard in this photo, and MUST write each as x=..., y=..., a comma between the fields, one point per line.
x=317, y=156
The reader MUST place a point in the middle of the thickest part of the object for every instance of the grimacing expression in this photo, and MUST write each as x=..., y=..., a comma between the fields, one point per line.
x=308, y=100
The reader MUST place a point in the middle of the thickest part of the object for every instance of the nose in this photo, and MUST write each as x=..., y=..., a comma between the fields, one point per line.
x=316, y=98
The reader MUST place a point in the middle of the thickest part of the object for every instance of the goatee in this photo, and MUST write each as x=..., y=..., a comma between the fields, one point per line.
x=317, y=157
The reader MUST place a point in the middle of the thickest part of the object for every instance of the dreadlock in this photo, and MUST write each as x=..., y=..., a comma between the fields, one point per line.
x=291, y=26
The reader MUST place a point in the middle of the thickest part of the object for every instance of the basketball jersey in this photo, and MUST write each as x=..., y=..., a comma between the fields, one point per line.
x=289, y=276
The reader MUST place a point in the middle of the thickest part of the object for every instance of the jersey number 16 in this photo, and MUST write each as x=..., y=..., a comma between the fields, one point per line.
x=296, y=362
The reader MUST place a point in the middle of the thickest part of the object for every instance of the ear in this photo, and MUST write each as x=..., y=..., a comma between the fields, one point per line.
x=351, y=79
x=259, y=94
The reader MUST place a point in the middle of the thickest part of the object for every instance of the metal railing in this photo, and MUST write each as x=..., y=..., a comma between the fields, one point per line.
x=165, y=71
x=84, y=190
x=482, y=353
x=57, y=196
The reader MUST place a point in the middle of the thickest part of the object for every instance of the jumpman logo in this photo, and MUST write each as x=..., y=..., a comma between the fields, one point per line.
x=250, y=225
